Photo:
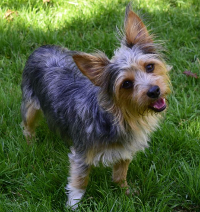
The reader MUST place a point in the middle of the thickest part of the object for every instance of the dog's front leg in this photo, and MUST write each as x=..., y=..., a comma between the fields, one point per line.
x=120, y=172
x=77, y=181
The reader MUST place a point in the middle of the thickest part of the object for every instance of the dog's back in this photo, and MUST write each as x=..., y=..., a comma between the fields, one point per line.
x=53, y=84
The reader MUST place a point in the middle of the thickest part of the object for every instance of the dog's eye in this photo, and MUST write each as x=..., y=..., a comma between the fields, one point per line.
x=149, y=68
x=127, y=84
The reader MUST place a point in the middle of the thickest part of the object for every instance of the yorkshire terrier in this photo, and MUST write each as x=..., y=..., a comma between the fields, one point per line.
x=108, y=108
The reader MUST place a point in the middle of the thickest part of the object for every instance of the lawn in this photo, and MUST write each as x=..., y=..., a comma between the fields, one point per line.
x=167, y=174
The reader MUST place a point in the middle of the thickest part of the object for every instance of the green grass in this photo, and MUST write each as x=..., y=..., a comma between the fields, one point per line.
x=167, y=175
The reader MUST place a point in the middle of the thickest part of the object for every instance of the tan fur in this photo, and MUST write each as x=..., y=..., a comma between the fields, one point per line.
x=97, y=149
x=132, y=104
x=30, y=122
x=78, y=179
x=120, y=172
x=91, y=65
x=135, y=30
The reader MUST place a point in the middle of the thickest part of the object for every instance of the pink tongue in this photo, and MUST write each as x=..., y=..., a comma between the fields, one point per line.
x=160, y=103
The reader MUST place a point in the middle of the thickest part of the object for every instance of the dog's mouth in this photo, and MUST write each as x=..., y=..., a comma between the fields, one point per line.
x=159, y=105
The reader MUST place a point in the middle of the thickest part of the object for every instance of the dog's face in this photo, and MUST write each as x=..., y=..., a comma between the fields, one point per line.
x=142, y=83
x=135, y=81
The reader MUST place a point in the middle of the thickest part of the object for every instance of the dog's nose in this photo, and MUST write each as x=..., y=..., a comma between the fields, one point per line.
x=153, y=92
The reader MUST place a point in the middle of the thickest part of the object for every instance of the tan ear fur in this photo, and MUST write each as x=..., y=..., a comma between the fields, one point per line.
x=91, y=66
x=135, y=30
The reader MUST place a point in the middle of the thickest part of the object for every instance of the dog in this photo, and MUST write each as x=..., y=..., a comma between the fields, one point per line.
x=107, y=107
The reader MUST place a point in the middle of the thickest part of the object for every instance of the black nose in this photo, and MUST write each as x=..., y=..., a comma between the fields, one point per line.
x=153, y=92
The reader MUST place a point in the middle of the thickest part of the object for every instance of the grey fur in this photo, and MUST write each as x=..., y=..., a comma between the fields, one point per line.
x=52, y=81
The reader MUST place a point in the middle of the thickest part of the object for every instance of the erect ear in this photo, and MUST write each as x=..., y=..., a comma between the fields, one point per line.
x=136, y=32
x=92, y=66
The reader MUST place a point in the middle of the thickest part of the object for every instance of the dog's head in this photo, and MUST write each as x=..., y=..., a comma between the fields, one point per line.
x=135, y=81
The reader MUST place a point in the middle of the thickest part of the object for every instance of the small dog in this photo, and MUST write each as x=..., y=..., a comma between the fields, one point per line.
x=107, y=107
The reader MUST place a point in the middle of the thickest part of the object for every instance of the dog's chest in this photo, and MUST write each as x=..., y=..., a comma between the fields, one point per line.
x=128, y=145
x=110, y=154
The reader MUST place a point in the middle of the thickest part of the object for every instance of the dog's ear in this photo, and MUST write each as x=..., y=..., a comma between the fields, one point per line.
x=92, y=66
x=136, y=32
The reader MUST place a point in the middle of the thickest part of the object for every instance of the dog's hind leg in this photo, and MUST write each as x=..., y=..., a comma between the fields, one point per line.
x=30, y=115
